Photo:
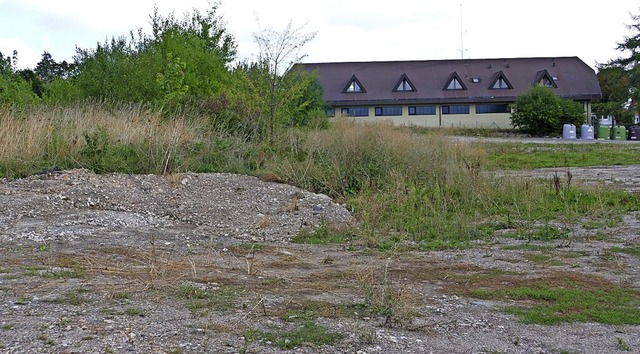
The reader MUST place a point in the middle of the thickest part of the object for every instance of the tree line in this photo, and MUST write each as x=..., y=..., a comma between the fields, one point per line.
x=187, y=63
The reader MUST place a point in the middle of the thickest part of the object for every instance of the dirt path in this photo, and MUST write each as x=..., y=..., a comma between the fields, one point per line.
x=197, y=263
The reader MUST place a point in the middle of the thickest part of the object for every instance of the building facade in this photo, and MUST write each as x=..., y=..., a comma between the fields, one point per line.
x=449, y=93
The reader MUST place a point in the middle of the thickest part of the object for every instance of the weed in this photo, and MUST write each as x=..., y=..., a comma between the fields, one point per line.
x=622, y=345
x=7, y=327
x=132, y=311
x=46, y=340
x=72, y=297
x=324, y=234
x=199, y=299
x=634, y=251
x=310, y=334
x=22, y=300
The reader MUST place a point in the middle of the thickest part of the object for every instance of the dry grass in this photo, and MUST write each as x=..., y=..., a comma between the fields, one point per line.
x=46, y=132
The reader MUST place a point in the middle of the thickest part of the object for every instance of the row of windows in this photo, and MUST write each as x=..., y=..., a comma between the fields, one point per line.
x=425, y=110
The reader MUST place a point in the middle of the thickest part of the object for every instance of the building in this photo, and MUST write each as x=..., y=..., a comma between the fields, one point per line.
x=449, y=93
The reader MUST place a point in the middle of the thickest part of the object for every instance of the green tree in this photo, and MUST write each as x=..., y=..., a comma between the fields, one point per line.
x=620, y=78
x=181, y=61
x=540, y=112
x=13, y=88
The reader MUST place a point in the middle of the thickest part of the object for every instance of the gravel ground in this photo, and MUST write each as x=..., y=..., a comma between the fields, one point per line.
x=202, y=263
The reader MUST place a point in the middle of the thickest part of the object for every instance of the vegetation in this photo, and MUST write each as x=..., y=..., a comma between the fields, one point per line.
x=569, y=298
x=516, y=156
x=540, y=112
x=620, y=78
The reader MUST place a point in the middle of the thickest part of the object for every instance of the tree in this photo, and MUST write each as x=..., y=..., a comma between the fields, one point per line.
x=279, y=51
x=13, y=88
x=620, y=78
x=181, y=61
x=540, y=112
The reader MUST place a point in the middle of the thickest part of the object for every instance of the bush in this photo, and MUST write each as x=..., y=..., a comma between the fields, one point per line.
x=540, y=112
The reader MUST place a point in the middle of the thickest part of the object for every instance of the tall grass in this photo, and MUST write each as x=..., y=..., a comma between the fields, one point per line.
x=104, y=137
x=426, y=190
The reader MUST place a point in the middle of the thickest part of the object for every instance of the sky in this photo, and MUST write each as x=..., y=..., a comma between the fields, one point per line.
x=346, y=30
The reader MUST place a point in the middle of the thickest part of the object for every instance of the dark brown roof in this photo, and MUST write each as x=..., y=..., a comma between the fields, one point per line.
x=430, y=78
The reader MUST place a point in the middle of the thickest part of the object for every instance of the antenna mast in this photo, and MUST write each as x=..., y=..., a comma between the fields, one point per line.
x=461, y=35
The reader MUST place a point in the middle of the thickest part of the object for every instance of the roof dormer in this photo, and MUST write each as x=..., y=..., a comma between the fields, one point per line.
x=404, y=85
x=543, y=78
x=354, y=86
x=500, y=82
x=454, y=83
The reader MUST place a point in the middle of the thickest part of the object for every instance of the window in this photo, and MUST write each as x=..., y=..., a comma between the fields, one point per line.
x=355, y=111
x=546, y=82
x=493, y=108
x=543, y=78
x=354, y=86
x=389, y=111
x=404, y=85
x=455, y=83
x=422, y=110
x=500, y=82
x=456, y=109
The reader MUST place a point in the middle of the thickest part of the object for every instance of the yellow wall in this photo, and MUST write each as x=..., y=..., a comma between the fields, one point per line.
x=471, y=120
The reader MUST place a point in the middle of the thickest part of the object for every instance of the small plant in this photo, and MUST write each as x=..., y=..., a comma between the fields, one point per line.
x=310, y=334
x=622, y=345
x=324, y=234
x=46, y=340
x=132, y=311
x=22, y=300
x=199, y=299
x=72, y=297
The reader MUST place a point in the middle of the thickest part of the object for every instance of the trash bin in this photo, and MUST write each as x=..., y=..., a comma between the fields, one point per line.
x=634, y=133
x=619, y=132
x=569, y=131
x=604, y=132
x=586, y=132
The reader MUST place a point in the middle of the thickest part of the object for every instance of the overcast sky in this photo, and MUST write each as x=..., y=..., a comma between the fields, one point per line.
x=347, y=30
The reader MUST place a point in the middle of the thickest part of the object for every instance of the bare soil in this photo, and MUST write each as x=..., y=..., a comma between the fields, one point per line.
x=203, y=263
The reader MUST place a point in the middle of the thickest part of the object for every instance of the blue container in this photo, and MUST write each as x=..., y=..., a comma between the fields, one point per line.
x=569, y=131
x=586, y=132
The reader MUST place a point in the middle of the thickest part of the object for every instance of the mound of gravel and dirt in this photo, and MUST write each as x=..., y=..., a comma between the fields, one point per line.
x=202, y=263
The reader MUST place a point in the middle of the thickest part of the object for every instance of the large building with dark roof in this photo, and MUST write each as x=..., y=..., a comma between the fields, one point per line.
x=449, y=93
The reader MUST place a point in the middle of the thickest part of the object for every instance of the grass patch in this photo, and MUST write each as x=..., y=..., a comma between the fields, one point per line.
x=199, y=300
x=309, y=335
x=565, y=297
x=634, y=250
x=72, y=297
x=517, y=156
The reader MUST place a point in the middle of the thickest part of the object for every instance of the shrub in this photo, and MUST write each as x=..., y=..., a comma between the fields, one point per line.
x=540, y=112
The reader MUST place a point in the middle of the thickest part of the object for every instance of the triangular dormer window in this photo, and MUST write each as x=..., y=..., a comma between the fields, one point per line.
x=454, y=83
x=500, y=82
x=354, y=86
x=404, y=85
x=544, y=79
